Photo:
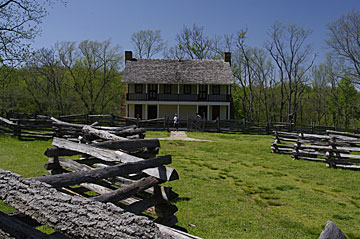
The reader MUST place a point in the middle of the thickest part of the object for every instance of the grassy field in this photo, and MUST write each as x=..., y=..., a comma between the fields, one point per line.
x=235, y=188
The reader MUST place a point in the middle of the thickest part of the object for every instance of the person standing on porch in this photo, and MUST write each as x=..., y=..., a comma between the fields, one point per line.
x=176, y=122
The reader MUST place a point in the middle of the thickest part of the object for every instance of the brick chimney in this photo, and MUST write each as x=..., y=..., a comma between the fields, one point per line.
x=227, y=57
x=128, y=56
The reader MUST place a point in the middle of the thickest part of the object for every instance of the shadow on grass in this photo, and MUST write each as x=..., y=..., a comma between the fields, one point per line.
x=181, y=199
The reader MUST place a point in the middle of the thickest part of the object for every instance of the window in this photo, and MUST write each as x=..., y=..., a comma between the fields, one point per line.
x=138, y=88
x=167, y=89
x=216, y=89
x=187, y=89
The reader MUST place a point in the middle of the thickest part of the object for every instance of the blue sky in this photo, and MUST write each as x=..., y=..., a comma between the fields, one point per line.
x=118, y=19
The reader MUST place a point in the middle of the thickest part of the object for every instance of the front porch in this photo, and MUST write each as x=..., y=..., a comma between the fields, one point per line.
x=186, y=110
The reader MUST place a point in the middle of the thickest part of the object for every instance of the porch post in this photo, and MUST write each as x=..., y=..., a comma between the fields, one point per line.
x=146, y=88
x=158, y=111
x=208, y=112
x=146, y=111
x=228, y=114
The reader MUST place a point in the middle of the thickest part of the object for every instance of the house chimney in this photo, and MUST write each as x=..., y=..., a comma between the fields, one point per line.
x=128, y=56
x=227, y=57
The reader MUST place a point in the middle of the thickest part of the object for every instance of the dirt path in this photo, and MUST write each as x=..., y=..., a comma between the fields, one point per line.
x=181, y=135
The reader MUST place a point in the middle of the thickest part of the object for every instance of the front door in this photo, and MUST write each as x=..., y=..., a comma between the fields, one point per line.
x=138, y=111
x=152, y=111
x=203, y=111
x=203, y=90
x=215, y=112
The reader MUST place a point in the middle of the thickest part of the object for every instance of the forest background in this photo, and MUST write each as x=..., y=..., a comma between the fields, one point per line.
x=279, y=82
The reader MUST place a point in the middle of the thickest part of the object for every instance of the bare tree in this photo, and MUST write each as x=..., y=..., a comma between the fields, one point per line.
x=225, y=43
x=174, y=53
x=246, y=61
x=147, y=43
x=19, y=24
x=345, y=41
x=290, y=54
x=193, y=43
x=263, y=69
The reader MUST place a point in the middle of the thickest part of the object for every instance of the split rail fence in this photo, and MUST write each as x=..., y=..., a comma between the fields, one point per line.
x=337, y=149
x=31, y=126
x=102, y=164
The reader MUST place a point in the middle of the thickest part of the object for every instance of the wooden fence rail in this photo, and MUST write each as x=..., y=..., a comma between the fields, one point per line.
x=337, y=149
x=71, y=217
x=31, y=126
x=112, y=167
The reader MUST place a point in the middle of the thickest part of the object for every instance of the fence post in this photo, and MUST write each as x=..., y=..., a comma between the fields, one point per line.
x=218, y=124
x=17, y=131
x=164, y=123
x=187, y=124
x=203, y=125
x=268, y=127
x=112, y=122
x=312, y=127
x=87, y=118
x=168, y=123
x=243, y=124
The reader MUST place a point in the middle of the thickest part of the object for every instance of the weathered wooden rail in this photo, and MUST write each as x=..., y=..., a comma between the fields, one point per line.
x=337, y=149
x=104, y=168
x=71, y=217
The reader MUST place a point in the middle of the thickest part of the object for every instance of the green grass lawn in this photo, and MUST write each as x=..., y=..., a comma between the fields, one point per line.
x=235, y=188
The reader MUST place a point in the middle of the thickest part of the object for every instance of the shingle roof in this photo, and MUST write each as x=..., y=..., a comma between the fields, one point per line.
x=166, y=71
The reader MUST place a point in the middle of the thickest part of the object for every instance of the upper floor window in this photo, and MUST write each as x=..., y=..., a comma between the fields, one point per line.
x=216, y=89
x=167, y=89
x=138, y=88
x=187, y=89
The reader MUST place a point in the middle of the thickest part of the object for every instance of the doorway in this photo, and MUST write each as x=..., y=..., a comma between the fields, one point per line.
x=138, y=111
x=153, y=90
x=203, y=111
x=152, y=111
x=215, y=112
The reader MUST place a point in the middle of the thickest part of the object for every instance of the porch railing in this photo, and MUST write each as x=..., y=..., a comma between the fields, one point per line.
x=178, y=97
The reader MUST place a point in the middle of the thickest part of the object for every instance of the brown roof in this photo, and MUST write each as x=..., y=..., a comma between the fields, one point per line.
x=165, y=71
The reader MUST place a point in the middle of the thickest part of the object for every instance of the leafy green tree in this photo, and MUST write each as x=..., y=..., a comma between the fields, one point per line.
x=94, y=69
x=349, y=101
x=47, y=81
x=320, y=93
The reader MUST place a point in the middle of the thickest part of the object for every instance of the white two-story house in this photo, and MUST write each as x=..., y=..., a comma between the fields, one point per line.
x=158, y=88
